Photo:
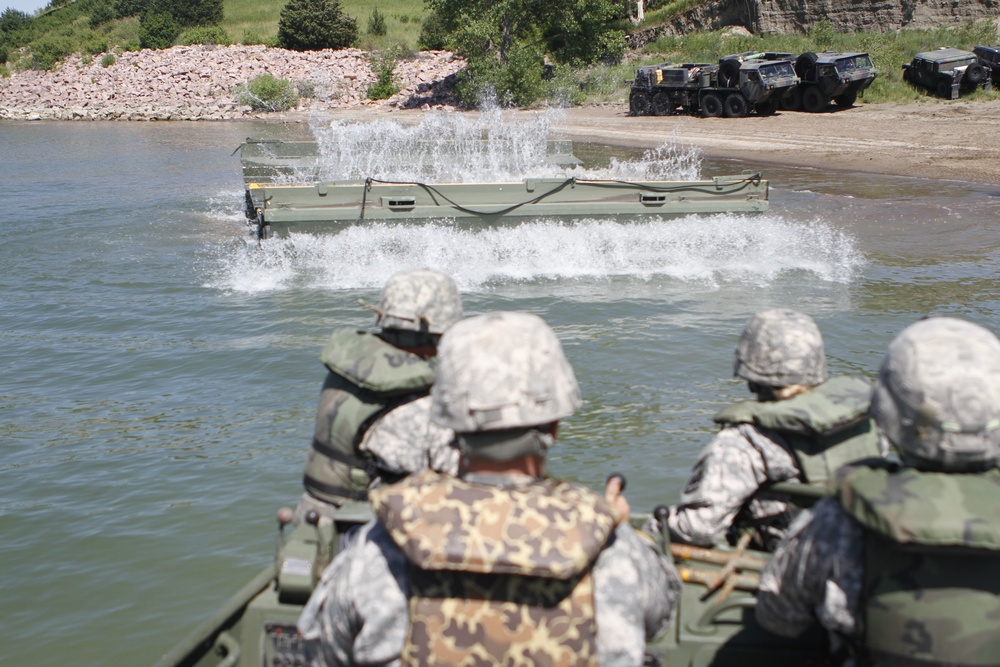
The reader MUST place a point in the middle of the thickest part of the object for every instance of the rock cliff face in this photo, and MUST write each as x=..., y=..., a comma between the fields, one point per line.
x=874, y=15
x=764, y=16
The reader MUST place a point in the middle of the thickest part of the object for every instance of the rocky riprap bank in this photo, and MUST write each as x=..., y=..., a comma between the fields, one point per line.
x=201, y=83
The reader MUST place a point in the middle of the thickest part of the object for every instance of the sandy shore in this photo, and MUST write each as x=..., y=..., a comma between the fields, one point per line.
x=952, y=140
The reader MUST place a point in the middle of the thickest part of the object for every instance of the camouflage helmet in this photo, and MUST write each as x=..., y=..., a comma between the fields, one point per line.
x=421, y=300
x=502, y=371
x=937, y=396
x=779, y=348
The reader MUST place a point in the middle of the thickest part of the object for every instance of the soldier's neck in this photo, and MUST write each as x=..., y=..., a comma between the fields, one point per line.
x=530, y=465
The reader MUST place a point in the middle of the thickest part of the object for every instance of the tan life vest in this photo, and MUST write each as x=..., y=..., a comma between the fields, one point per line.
x=501, y=575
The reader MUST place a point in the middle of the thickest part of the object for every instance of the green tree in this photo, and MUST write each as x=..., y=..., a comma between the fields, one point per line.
x=158, y=31
x=311, y=25
x=506, y=42
x=12, y=20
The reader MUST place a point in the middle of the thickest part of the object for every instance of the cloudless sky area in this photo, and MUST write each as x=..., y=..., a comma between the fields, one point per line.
x=29, y=6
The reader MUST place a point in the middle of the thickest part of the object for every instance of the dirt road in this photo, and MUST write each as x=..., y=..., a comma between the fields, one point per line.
x=934, y=139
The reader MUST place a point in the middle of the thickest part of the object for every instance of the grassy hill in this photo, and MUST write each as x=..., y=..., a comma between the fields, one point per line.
x=65, y=27
x=259, y=18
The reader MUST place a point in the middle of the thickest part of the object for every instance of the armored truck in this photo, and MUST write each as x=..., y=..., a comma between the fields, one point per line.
x=747, y=86
x=948, y=72
x=829, y=77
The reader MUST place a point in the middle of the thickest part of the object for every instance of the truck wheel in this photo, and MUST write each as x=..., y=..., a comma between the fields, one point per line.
x=729, y=74
x=804, y=63
x=792, y=101
x=813, y=100
x=846, y=100
x=711, y=105
x=639, y=103
x=975, y=74
x=767, y=108
x=908, y=76
x=663, y=105
x=736, y=106
x=944, y=89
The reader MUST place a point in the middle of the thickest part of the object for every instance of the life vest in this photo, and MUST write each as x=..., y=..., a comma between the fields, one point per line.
x=497, y=575
x=932, y=564
x=826, y=427
x=368, y=377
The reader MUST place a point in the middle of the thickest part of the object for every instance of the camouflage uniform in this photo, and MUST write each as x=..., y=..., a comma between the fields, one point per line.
x=902, y=563
x=804, y=438
x=373, y=422
x=360, y=613
x=493, y=567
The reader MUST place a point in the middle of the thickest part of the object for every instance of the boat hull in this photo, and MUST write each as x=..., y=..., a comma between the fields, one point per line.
x=278, y=209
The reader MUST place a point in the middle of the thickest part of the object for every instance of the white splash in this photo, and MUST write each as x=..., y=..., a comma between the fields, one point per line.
x=711, y=249
x=492, y=146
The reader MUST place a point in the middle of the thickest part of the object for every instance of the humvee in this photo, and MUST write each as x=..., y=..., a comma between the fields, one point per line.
x=947, y=72
x=829, y=77
x=989, y=57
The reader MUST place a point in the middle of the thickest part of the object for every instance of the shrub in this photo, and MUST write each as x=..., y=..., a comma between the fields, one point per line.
x=252, y=37
x=131, y=45
x=4, y=72
x=518, y=82
x=48, y=51
x=95, y=46
x=158, y=31
x=383, y=65
x=376, y=23
x=267, y=93
x=124, y=8
x=306, y=89
x=433, y=33
x=101, y=14
x=205, y=35
x=108, y=60
x=4, y=55
x=311, y=25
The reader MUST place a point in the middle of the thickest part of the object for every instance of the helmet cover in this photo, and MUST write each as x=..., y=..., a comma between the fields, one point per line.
x=779, y=348
x=502, y=371
x=421, y=300
x=937, y=396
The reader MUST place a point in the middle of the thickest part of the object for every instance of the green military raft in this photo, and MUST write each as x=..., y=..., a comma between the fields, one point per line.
x=714, y=623
x=284, y=193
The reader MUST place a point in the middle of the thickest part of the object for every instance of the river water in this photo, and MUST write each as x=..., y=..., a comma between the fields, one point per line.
x=159, y=371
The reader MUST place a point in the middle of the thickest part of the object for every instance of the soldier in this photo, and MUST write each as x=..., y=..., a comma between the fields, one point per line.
x=903, y=562
x=373, y=422
x=498, y=565
x=800, y=428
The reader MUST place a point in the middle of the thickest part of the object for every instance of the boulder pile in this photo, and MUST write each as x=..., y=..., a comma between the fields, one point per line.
x=202, y=83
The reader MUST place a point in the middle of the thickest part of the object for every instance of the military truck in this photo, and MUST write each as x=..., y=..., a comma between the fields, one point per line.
x=948, y=72
x=747, y=85
x=829, y=77
x=989, y=57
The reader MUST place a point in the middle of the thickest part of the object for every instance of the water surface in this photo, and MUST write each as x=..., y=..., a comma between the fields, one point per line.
x=159, y=370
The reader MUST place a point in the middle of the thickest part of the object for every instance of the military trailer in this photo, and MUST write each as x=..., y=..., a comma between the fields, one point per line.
x=829, y=77
x=989, y=57
x=748, y=86
x=948, y=72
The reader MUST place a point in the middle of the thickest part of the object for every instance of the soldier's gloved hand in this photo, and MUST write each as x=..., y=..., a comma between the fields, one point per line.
x=613, y=494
